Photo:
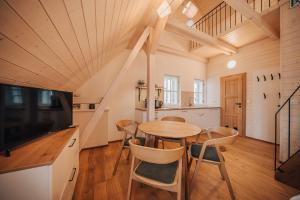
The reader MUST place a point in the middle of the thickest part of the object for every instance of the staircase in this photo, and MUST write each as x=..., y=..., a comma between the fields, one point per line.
x=288, y=171
x=223, y=18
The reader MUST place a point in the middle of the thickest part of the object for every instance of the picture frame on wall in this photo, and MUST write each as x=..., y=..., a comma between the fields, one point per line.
x=294, y=3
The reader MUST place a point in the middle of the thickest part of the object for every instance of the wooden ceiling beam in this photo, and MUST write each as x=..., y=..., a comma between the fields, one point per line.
x=255, y=17
x=201, y=38
x=170, y=50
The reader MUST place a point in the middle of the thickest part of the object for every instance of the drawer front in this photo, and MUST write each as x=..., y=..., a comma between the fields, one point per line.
x=63, y=166
x=69, y=189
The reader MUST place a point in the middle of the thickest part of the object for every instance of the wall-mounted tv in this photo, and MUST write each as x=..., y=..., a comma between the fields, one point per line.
x=27, y=113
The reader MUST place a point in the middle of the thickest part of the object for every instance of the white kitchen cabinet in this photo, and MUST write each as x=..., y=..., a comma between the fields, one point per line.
x=203, y=117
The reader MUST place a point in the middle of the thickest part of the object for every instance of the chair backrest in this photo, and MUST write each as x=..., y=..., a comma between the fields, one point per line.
x=228, y=136
x=173, y=118
x=153, y=155
x=122, y=124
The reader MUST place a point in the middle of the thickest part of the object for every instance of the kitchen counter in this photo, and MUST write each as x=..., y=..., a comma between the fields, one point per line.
x=180, y=108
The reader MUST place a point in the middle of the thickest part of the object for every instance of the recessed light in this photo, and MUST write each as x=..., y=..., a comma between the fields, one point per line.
x=231, y=64
x=164, y=9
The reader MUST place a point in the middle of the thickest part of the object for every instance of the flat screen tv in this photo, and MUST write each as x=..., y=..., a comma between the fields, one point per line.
x=28, y=113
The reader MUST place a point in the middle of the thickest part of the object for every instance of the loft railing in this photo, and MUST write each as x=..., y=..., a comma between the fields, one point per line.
x=286, y=103
x=223, y=17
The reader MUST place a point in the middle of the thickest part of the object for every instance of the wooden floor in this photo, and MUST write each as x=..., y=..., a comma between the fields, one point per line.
x=249, y=163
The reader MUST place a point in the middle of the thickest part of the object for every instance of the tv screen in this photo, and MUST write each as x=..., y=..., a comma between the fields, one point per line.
x=27, y=113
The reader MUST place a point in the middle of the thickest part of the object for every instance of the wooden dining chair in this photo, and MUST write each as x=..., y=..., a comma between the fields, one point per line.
x=129, y=129
x=174, y=119
x=160, y=168
x=209, y=152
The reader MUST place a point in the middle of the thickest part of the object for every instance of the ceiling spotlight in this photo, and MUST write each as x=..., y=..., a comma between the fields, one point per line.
x=190, y=10
x=164, y=9
x=231, y=64
x=190, y=23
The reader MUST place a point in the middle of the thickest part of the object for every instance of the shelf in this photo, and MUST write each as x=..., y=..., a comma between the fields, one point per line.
x=145, y=87
x=159, y=89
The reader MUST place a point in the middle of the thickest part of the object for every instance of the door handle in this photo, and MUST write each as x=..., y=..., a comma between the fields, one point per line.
x=239, y=104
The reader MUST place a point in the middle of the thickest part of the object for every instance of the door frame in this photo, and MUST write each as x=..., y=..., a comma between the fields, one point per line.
x=244, y=91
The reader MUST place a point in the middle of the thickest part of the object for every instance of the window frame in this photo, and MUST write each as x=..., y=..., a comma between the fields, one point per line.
x=178, y=96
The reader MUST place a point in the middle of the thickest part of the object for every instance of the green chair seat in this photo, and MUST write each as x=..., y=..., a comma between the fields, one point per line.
x=164, y=173
x=209, y=154
x=141, y=139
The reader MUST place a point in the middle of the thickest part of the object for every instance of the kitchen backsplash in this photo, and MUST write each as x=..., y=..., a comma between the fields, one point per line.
x=187, y=98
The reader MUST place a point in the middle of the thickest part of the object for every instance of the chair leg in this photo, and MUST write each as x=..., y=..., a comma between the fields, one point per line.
x=190, y=164
x=194, y=175
x=226, y=177
x=128, y=155
x=221, y=172
x=129, y=189
x=118, y=160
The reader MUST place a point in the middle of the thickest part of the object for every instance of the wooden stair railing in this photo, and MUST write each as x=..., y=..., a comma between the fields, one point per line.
x=224, y=18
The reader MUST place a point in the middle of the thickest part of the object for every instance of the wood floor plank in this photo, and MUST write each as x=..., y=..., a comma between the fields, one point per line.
x=249, y=163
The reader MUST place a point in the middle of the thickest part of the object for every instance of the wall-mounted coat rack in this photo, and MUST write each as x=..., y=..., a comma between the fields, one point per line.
x=265, y=96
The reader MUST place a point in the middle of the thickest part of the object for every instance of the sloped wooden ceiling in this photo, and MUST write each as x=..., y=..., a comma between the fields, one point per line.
x=59, y=44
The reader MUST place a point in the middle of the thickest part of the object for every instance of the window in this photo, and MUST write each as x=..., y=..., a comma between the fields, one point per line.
x=14, y=96
x=45, y=98
x=171, y=93
x=198, y=92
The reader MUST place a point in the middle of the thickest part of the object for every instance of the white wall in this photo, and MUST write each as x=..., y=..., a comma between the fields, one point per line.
x=122, y=105
x=256, y=59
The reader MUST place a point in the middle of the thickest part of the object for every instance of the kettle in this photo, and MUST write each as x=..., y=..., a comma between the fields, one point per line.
x=158, y=104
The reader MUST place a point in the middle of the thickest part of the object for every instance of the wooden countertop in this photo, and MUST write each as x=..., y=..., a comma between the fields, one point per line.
x=181, y=108
x=40, y=152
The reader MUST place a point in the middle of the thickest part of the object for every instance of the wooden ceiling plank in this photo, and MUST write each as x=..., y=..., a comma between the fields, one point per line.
x=113, y=27
x=57, y=12
x=101, y=26
x=107, y=31
x=8, y=69
x=76, y=15
x=255, y=17
x=114, y=86
x=169, y=50
x=12, y=53
x=123, y=20
x=42, y=25
x=18, y=32
x=88, y=9
x=200, y=37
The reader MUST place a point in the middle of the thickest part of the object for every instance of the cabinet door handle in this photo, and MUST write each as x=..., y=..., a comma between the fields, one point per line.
x=74, y=172
x=74, y=140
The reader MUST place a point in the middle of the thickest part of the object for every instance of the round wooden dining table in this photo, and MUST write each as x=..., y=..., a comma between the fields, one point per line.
x=175, y=130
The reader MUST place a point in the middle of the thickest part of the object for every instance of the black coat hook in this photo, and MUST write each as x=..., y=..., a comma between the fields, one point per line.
x=265, y=78
x=279, y=75
x=272, y=76
x=265, y=96
x=257, y=78
x=279, y=95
